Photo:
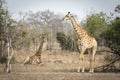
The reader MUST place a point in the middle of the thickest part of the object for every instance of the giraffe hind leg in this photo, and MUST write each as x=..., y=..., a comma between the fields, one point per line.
x=89, y=52
x=83, y=63
x=93, y=58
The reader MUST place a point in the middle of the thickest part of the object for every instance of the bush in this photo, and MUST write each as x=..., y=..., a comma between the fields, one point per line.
x=62, y=38
x=67, y=42
x=108, y=58
x=112, y=36
x=3, y=59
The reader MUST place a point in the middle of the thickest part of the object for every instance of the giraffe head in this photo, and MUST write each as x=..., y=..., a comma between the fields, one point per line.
x=68, y=16
x=43, y=36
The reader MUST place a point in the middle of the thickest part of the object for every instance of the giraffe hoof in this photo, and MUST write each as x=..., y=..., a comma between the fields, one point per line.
x=82, y=71
x=9, y=71
x=78, y=71
x=91, y=71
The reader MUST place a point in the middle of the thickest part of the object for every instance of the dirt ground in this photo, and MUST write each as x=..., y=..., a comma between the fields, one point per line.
x=57, y=65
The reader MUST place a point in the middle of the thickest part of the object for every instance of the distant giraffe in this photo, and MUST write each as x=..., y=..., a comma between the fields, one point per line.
x=84, y=42
x=36, y=58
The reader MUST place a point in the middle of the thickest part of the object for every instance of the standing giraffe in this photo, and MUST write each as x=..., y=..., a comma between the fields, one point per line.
x=36, y=58
x=84, y=42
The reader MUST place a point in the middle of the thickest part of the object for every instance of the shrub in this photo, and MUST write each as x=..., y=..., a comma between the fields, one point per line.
x=67, y=42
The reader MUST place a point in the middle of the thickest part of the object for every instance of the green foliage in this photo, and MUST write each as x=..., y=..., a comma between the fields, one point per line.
x=62, y=38
x=24, y=34
x=6, y=26
x=3, y=59
x=95, y=24
x=22, y=39
x=112, y=36
x=67, y=42
x=108, y=58
x=25, y=39
x=13, y=60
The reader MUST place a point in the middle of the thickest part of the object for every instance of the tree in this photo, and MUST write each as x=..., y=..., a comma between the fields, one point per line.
x=107, y=31
x=117, y=8
x=6, y=26
x=112, y=41
x=112, y=36
x=96, y=24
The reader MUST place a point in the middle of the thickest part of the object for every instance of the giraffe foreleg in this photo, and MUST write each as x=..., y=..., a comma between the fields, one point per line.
x=81, y=61
x=39, y=59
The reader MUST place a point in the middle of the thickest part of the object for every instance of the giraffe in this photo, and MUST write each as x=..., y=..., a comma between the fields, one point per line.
x=36, y=58
x=84, y=42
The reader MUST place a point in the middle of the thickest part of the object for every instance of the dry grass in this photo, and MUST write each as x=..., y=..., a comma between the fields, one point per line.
x=57, y=65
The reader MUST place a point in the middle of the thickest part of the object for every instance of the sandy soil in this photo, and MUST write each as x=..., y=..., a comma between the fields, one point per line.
x=57, y=65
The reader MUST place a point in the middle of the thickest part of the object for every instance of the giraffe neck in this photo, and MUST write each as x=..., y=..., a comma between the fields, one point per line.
x=80, y=31
x=38, y=53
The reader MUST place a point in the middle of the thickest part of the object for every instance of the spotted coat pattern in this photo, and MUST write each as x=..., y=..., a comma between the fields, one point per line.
x=85, y=41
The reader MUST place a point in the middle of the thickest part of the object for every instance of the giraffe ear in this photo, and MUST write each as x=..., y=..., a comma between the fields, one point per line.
x=68, y=12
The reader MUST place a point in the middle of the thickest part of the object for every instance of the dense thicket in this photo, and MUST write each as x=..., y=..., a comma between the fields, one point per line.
x=67, y=42
x=112, y=36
